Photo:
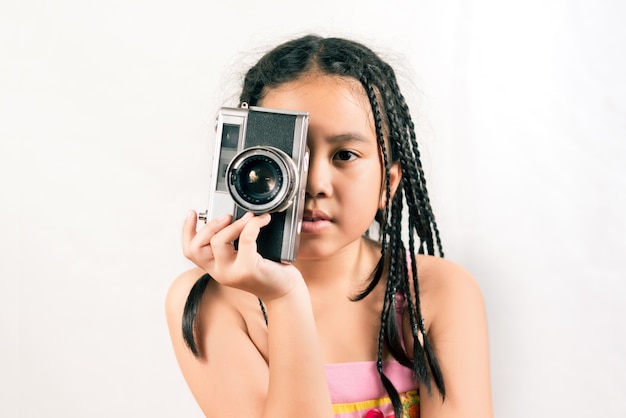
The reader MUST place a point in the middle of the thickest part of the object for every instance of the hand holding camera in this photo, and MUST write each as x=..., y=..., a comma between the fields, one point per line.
x=260, y=165
x=211, y=249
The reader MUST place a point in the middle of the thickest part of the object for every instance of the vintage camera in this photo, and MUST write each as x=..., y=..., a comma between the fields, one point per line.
x=260, y=165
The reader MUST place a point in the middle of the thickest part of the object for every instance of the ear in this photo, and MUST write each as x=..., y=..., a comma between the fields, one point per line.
x=395, y=175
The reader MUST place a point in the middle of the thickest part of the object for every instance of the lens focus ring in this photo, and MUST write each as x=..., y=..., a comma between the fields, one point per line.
x=262, y=179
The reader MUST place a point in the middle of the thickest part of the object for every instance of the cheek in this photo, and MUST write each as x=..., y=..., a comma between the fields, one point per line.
x=365, y=194
x=360, y=220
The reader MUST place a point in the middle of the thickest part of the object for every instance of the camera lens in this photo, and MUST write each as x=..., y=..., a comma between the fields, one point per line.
x=258, y=180
x=262, y=179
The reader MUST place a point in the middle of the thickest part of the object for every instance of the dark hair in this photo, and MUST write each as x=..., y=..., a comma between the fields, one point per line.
x=345, y=58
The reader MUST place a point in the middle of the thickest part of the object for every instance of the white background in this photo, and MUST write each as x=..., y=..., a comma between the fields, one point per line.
x=107, y=111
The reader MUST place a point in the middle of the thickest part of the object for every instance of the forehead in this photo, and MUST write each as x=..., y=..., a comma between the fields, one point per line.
x=330, y=100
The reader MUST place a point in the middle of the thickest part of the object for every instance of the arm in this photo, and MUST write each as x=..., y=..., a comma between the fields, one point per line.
x=231, y=377
x=297, y=382
x=457, y=327
x=234, y=379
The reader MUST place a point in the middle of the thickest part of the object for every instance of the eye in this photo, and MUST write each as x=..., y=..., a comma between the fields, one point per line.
x=345, y=155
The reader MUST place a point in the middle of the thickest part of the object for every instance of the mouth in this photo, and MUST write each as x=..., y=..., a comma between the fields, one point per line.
x=315, y=216
x=315, y=222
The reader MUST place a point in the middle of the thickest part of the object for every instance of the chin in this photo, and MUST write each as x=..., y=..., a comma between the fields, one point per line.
x=318, y=248
x=313, y=251
x=311, y=255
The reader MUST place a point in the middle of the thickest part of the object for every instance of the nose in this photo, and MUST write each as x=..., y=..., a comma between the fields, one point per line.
x=319, y=182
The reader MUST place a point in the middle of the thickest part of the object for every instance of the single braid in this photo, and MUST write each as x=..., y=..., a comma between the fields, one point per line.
x=397, y=273
x=383, y=223
x=388, y=317
x=190, y=313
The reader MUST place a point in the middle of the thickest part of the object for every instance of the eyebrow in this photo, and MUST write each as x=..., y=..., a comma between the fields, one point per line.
x=347, y=137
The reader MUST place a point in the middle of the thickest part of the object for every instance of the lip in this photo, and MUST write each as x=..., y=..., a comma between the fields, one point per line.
x=314, y=221
x=315, y=215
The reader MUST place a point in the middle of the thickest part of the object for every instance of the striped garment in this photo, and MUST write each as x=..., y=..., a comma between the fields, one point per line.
x=357, y=392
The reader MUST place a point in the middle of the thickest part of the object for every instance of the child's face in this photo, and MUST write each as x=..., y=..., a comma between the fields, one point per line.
x=343, y=190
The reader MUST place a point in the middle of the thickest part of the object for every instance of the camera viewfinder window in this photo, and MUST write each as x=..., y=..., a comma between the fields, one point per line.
x=230, y=141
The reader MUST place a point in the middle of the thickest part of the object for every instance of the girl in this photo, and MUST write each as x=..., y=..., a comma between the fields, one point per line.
x=355, y=327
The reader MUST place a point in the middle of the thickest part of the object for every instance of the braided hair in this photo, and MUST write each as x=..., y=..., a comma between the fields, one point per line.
x=345, y=58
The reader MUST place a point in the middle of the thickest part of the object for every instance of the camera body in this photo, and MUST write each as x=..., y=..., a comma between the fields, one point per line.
x=260, y=165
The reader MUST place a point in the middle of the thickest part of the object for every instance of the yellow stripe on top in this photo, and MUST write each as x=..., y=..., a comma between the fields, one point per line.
x=410, y=397
x=342, y=408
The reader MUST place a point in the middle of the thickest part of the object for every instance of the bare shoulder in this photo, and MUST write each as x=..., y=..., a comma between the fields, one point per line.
x=224, y=306
x=211, y=303
x=442, y=281
x=179, y=290
x=455, y=318
x=229, y=336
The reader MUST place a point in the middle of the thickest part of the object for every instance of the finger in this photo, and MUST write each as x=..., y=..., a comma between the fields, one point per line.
x=221, y=243
x=195, y=240
x=189, y=230
x=250, y=233
x=204, y=235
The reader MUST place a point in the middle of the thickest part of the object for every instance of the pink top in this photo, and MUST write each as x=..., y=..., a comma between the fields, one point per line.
x=357, y=392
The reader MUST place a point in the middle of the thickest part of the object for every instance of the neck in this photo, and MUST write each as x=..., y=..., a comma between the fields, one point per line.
x=346, y=271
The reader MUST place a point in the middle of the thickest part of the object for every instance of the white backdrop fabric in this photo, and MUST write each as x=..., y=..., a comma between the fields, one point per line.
x=106, y=118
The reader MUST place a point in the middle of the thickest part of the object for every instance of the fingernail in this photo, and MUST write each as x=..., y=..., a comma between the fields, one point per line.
x=190, y=214
x=222, y=218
